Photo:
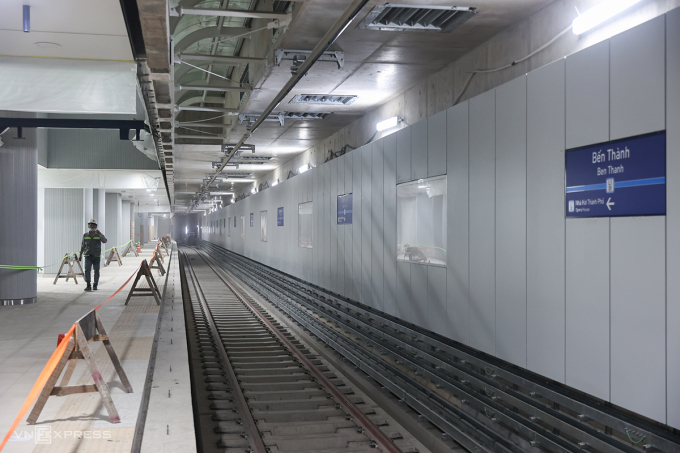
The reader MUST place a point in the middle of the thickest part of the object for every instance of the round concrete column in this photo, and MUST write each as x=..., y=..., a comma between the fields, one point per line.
x=18, y=216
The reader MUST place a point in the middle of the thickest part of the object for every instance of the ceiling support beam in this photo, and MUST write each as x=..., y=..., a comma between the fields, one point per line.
x=221, y=126
x=218, y=59
x=207, y=109
x=200, y=137
x=124, y=126
x=180, y=11
x=246, y=89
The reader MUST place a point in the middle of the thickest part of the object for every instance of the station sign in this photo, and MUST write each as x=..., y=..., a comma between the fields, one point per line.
x=620, y=178
x=251, y=219
x=279, y=217
x=345, y=209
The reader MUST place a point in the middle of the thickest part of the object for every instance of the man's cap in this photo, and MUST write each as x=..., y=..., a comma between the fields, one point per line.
x=92, y=221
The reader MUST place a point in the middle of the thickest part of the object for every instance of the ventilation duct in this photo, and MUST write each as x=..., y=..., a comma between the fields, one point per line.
x=391, y=17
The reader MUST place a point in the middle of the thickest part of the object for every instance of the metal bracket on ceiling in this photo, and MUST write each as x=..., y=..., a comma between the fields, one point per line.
x=227, y=147
x=299, y=56
x=251, y=117
x=124, y=126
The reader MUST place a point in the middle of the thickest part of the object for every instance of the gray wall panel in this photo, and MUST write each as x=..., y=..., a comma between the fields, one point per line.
x=436, y=144
x=339, y=229
x=673, y=212
x=482, y=216
x=63, y=224
x=348, y=172
x=326, y=175
x=348, y=230
x=637, y=80
x=378, y=232
x=638, y=315
x=316, y=239
x=390, y=224
x=366, y=225
x=587, y=317
x=333, y=224
x=404, y=291
x=457, y=280
x=511, y=222
x=436, y=295
x=419, y=299
x=356, y=224
x=419, y=150
x=588, y=96
x=545, y=221
x=404, y=155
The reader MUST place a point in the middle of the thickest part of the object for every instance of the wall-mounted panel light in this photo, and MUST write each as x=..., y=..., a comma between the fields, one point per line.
x=388, y=123
x=275, y=183
x=600, y=13
x=27, y=18
x=303, y=169
x=253, y=190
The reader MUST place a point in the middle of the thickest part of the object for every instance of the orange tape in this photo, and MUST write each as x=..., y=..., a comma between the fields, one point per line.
x=114, y=294
x=40, y=383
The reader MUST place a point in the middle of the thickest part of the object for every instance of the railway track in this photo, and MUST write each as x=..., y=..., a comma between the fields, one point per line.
x=258, y=388
x=483, y=403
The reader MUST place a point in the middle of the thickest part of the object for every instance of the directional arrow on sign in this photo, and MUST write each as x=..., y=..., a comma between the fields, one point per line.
x=610, y=204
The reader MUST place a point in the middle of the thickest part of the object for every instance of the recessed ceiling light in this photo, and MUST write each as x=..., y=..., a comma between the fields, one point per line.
x=48, y=45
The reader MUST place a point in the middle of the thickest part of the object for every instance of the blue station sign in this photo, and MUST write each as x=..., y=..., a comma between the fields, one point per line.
x=279, y=217
x=345, y=209
x=620, y=178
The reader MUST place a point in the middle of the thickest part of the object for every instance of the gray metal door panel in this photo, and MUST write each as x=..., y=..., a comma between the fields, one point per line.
x=404, y=291
x=545, y=221
x=482, y=222
x=587, y=316
x=436, y=294
x=457, y=260
x=673, y=214
x=419, y=300
x=377, y=230
x=356, y=224
x=419, y=150
x=366, y=225
x=588, y=96
x=348, y=172
x=511, y=222
x=638, y=315
x=638, y=80
x=404, y=154
x=436, y=144
x=390, y=224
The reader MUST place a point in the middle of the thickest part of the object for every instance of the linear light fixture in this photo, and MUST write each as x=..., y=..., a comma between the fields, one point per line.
x=388, y=123
x=303, y=169
x=600, y=13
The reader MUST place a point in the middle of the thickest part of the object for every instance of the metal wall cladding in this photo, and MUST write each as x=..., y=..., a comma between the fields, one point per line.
x=63, y=224
x=19, y=205
x=94, y=149
x=580, y=302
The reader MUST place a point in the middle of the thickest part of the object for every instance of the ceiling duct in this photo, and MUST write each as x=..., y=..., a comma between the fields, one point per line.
x=393, y=17
x=323, y=99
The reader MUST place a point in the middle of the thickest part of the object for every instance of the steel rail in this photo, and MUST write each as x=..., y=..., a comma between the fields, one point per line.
x=250, y=423
x=360, y=417
x=329, y=38
x=436, y=368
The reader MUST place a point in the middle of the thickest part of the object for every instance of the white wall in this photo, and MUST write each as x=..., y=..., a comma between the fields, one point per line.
x=585, y=302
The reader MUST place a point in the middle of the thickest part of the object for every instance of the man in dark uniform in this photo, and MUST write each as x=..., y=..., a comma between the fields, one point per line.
x=92, y=248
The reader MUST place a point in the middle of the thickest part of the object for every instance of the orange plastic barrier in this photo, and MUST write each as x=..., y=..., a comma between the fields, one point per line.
x=49, y=368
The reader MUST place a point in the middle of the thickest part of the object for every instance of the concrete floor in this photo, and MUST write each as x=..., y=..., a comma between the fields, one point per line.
x=28, y=336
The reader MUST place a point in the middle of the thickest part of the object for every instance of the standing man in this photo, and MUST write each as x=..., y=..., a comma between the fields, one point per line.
x=92, y=247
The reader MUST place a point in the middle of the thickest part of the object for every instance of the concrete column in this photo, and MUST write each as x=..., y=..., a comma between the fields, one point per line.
x=152, y=227
x=125, y=229
x=133, y=222
x=114, y=220
x=88, y=206
x=41, y=226
x=19, y=219
x=100, y=214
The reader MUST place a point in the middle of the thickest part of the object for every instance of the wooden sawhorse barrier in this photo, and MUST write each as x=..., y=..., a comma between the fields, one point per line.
x=130, y=248
x=152, y=290
x=114, y=256
x=71, y=262
x=88, y=328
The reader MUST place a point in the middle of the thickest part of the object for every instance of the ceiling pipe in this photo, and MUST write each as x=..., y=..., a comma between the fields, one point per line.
x=329, y=38
x=180, y=11
x=213, y=88
x=218, y=59
x=207, y=109
x=221, y=126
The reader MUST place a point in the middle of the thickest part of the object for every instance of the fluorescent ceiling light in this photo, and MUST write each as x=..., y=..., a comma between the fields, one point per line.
x=148, y=190
x=388, y=123
x=304, y=168
x=600, y=13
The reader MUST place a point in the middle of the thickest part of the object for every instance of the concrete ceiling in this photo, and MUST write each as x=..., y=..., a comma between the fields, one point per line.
x=378, y=66
x=65, y=29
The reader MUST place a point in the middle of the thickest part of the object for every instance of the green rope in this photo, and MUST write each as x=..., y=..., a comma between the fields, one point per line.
x=631, y=439
x=116, y=247
x=486, y=412
x=28, y=268
x=489, y=394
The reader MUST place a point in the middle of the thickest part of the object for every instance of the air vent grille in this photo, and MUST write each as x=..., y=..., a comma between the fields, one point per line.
x=391, y=17
x=305, y=115
x=323, y=99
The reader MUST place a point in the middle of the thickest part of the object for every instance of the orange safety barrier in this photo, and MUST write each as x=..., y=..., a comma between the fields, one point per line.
x=49, y=369
x=40, y=383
